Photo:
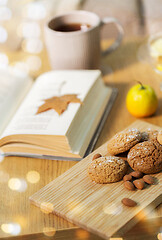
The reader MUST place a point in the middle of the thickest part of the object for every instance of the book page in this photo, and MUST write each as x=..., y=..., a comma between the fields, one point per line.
x=13, y=87
x=54, y=83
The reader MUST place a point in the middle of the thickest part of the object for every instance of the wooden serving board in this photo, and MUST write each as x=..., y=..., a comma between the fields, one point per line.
x=97, y=207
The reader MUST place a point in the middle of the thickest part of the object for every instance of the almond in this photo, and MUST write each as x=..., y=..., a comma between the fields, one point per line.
x=148, y=179
x=128, y=185
x=127, y=178
x=139, y=183
x=129, y=202
x=97, y=155
x=136, y=174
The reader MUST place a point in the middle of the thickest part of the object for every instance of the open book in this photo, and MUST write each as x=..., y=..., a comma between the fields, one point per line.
x=49, y=134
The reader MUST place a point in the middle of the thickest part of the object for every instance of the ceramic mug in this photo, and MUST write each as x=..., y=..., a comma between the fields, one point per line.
x=78, y=49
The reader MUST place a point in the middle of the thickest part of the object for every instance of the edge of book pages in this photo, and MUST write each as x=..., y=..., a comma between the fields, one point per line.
x=91, y=144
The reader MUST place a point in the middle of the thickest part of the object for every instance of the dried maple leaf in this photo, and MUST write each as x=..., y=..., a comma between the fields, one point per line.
x=59, y=104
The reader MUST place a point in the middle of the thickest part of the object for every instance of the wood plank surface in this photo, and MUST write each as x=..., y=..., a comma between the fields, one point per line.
x=97, y=207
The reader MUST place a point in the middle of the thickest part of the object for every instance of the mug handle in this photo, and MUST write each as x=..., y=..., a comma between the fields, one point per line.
x=119, y=38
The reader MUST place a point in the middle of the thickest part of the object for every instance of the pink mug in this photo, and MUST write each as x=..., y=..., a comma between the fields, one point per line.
x=78, y=48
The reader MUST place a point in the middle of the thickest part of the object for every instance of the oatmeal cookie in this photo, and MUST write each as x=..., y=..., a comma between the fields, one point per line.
x=123, y=141
x=159, y=137
x=149, y=134
x=107, y=169
x=146, y=157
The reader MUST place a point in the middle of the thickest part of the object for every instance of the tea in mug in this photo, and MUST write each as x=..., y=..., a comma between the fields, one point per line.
x=72, y=27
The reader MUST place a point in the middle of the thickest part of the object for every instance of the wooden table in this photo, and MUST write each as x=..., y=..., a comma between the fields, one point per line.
x=17, y=216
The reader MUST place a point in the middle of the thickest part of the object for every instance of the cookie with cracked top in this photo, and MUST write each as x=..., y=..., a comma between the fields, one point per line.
x=159, y=137
x=123, y=141
x=107, y=169
x=149, y=134
x=146, y=157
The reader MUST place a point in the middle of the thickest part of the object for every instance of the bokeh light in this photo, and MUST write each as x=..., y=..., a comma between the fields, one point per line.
x=14, y=183
x=3, y=62
x=34, y=63
x=46, y=207
x=17, y=184
x=112, y=209
x=159, y=236
x=11, y=228
x=3, y=35
x=36, y=11
x=75, y=206
x=33, y=176
x=5, y=13
x=20, y=66
x=32, y=45
x=3, y=2
x=22, y=220
x=49, y=231
x=82, y=234
x=156, y=47
x=146, y=214
x=29, y=30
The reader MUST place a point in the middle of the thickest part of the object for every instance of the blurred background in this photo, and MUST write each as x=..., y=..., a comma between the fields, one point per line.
x=21, y=25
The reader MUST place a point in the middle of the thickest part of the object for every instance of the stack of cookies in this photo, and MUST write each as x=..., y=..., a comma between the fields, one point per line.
x=144, y=154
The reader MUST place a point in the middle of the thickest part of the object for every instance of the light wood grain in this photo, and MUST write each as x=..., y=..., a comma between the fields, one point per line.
x=15, y=206
x=97, y=207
